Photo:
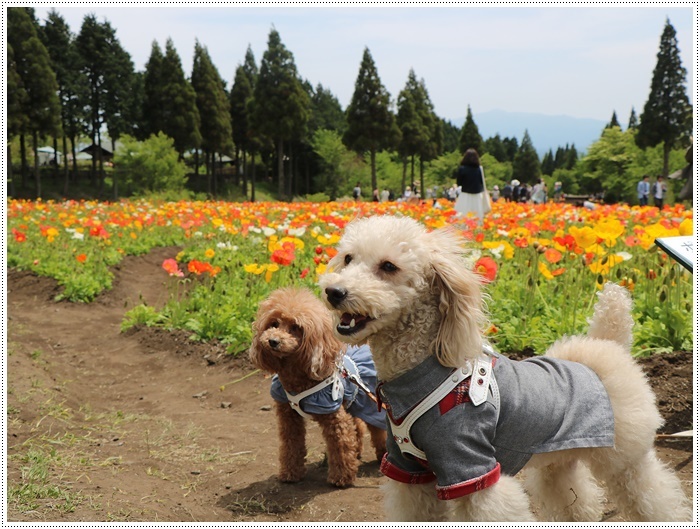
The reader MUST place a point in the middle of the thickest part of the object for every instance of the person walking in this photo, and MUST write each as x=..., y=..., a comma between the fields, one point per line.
x=658, y=190
x=474, y=196
x=643, y=188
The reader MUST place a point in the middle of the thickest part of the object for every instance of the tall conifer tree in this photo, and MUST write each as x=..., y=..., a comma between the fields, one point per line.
x=371, y=124
x=214, y=110
x=72, y=84
x=33, y=66
x=281, y=103
x=666, y=115
x=526, y=166
x=469, y=137
x=181, y=120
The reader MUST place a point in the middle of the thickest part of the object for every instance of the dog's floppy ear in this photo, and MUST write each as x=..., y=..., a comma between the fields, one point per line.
x=319, y=347
x=461, y=303
x=256, y=353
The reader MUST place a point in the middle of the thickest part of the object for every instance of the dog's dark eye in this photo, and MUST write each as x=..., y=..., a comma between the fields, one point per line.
x=296, y=328
x=387, y=266
x=274, y=324
x=348, y=259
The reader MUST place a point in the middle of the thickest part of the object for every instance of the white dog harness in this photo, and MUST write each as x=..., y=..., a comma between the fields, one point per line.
x=478, y=392
x=336, y=390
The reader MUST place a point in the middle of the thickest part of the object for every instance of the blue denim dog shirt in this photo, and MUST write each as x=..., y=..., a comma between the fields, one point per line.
x=358, y=361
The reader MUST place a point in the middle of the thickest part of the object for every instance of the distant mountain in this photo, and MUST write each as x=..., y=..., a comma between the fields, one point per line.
x=547, y=132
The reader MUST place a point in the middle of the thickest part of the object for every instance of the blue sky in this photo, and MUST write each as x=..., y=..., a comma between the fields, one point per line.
x=576, y=61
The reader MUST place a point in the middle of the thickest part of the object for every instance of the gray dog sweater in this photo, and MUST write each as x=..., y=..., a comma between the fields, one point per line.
x=525, y=407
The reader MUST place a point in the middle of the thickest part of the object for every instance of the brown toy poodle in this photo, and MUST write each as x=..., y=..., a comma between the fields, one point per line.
x=294, y=338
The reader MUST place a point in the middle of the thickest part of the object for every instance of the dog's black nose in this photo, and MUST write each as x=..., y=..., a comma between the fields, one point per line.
x=336, y=295
x=273, y=343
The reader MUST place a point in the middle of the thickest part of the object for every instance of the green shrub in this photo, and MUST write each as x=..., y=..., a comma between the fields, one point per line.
x=150, y=166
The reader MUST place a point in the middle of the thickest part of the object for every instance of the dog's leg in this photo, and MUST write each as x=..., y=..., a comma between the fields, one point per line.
x=378, y=436
x=292, y=450
x=646, y=490
x=506, y=501
x=413, y=503
x=565, y=492
x=360, y=435
x=341, y=443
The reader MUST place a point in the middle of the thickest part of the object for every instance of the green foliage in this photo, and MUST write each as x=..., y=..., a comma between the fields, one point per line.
x=150, y=166
x=495, y=172
x=340, y=168
x=140, y=315
x=326, y=112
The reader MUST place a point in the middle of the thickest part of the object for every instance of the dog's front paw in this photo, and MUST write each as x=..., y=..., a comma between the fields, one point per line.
x=289, y=475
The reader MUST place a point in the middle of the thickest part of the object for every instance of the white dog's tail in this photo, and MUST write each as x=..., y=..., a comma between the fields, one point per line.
x=612, y=316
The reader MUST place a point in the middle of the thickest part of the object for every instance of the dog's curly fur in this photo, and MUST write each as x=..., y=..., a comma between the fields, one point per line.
x=294, y=338
x=409, y=294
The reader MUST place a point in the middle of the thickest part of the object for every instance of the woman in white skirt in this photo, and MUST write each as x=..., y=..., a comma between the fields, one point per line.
x=474, y=197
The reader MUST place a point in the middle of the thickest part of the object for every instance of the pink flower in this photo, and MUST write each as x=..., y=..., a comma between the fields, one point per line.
x=170, y=266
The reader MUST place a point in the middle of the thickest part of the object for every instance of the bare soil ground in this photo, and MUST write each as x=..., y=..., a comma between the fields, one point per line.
x=148, y=425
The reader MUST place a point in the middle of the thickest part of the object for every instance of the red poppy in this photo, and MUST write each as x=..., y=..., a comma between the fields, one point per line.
x=81, y=258
x=198, y=267
x=520, y=242
x=486, y=268
x=552, y=255
x=304, y=273
x=19, y=236
x=283, y=257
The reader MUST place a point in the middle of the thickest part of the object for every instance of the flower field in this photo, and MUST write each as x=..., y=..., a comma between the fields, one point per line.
x=541, y=265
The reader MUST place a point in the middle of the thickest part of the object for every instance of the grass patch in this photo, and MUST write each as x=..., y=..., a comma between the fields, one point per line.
x=36, y=490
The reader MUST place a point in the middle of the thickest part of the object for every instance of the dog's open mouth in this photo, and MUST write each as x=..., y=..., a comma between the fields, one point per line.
x=352, y=323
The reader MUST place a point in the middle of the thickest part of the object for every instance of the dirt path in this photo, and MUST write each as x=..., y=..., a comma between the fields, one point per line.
x=148, y=425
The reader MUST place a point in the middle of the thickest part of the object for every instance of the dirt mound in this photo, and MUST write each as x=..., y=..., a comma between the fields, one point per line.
x=149, y=425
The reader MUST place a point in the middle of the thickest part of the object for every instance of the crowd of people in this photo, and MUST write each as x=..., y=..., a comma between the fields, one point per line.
x=471, y=195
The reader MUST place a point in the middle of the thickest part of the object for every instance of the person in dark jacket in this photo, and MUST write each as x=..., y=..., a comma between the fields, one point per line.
x=470, y=178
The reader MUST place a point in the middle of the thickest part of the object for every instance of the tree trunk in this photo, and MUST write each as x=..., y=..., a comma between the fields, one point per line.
x=10, y=178
x=420, y=169
x=667, y=152
x=115, y=191
x=207, y=168
x=55, y=158
x=373, y=163
x=66, y=172
x=252, y=177
x=280, y=169
x=236, y=173
x=75, y=160
x=101, y=174
x=37, y=176
x=244, y=186
x=23, y=160
x=403, y=175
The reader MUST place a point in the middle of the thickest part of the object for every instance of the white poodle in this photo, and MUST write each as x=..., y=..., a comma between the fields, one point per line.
x=464, y=419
